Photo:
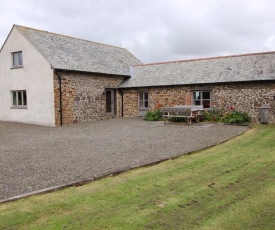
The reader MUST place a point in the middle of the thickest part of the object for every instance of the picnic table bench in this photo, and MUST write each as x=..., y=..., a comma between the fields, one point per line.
x=187, y=111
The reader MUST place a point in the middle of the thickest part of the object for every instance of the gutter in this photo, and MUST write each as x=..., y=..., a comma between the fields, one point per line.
x=60, y=96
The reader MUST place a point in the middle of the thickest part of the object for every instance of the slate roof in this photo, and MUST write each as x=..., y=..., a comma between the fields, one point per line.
x=68, y=53
x=237, y=68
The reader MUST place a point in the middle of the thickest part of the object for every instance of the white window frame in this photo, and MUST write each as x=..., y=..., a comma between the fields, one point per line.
x=201, y=99
x=16, y=96
x=142, y=101
x=17, y=59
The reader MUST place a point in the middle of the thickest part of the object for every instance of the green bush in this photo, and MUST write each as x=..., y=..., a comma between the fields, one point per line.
x=155, y=115
x=231, y=116
x=213, y=115
x=236, y=117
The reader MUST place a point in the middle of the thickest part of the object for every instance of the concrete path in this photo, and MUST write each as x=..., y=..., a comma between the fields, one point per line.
x=36, y=157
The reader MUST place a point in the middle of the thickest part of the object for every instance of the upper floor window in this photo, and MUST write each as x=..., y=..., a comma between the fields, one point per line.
x=17, y=60
x=143, y=101
x=19, y=99
x=202, y=98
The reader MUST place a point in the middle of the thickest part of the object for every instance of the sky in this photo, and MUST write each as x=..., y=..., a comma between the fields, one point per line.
x=153, y=30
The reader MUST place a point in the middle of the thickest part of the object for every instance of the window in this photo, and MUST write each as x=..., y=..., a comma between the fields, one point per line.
x=17, y=60
x=143, y=101
x=19, y=99
x=202, y=98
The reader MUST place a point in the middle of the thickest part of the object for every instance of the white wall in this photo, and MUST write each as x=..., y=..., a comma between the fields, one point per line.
x=36, y=77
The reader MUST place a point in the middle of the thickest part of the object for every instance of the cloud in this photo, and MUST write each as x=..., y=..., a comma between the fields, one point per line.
x=153, y=30
x=223, y=27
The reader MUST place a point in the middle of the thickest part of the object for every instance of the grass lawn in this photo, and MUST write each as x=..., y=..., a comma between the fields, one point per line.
x=230, y=186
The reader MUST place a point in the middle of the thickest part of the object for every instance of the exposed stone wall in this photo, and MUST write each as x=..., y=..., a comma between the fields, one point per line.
x=118, y=104
x=246, y=97
x=83, y=99
x=158, y=97
x=68, y=95
x=130, y=103
x=168, y=96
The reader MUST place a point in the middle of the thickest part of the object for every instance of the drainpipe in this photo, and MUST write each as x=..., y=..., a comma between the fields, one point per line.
x=60, y=97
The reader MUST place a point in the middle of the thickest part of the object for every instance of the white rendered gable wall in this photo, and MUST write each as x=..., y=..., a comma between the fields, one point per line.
x=36, y=77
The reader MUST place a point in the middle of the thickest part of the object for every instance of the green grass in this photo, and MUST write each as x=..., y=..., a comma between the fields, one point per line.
x=230, y=186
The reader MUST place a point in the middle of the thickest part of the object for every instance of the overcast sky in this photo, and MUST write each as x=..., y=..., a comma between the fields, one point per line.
x=153, y=30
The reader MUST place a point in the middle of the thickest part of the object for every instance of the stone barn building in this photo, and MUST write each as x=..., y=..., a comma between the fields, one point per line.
x=244, y=82
x=51, y=79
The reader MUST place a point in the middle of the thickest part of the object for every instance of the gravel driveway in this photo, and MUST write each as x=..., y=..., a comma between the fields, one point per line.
x=36, y=157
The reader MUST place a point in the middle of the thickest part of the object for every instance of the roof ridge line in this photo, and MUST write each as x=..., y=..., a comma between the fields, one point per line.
x=69, y=37
x=209, y=58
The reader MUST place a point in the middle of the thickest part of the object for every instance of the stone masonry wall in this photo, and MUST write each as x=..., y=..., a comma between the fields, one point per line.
x=246, y=97
x=130, y=103
x=158, y=97
x=68, y=95
x=83, y=99
x=118, y=104
x=170, y=96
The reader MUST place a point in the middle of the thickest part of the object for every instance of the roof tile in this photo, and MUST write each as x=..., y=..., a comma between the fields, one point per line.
x=69, y=53
x=249, y=67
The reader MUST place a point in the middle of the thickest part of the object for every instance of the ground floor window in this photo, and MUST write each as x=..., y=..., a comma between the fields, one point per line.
x=19, y=98
x=202, y=98
x=143, y=101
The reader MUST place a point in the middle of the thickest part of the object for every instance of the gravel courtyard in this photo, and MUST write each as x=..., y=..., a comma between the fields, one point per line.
x=36, y=157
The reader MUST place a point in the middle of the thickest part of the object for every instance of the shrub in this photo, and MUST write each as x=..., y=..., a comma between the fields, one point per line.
x=236, y=117
x=229, y=116
x=213, y=115
x=155, y=115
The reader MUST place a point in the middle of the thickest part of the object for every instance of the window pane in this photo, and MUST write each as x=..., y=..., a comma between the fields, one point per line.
x=19, y=98
x=206, y=103
x=206, y=95
x=14, y=98
x=146, y=104
x=141, y=96
x=24, y=98
x=196, y=95
x=197, y=102
x=15, y=59
x=20, y=61
x=141, y=105
x=146, y=96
